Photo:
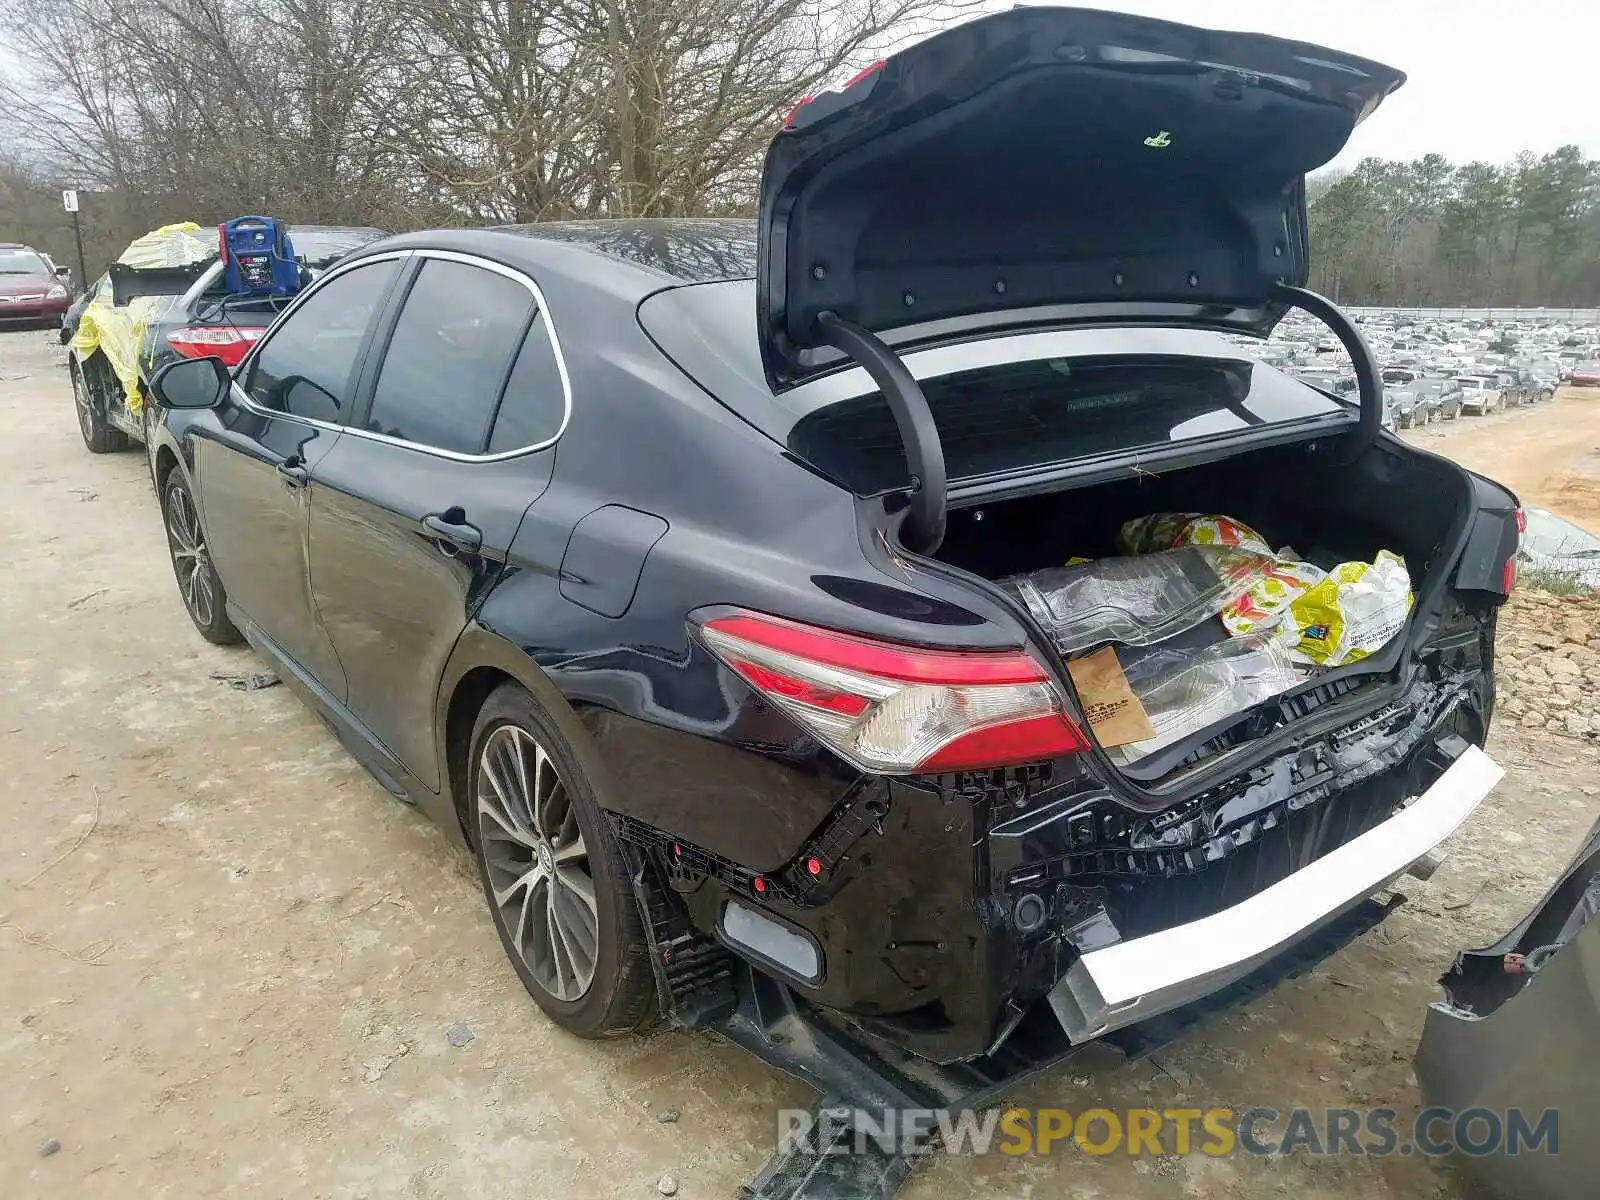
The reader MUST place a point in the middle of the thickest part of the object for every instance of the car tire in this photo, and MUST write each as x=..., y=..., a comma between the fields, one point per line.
x=98, y=435
x=204, y=597
x=587, y=962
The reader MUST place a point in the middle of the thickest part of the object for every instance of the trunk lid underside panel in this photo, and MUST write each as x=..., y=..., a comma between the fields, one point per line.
x=1046, y=157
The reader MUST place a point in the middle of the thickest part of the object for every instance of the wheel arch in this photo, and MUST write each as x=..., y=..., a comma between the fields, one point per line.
x=166, y=460
x=481, y=662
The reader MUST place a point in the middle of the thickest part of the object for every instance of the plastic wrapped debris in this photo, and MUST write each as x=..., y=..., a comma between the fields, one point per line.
x=1351, y=613
x=1329, y=617
x=1262, y=606
x=1138, y=599
x=1165, y=531
x=1184, y=691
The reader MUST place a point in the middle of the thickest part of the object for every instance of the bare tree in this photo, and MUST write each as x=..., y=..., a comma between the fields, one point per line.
x=406, y=112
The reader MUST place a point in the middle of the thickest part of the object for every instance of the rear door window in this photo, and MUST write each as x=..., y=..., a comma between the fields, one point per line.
x=305, y=366
x=449, y=357
x=534, y=407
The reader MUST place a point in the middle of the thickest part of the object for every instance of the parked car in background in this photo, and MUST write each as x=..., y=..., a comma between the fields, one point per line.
x=167, y=298
x=1399, y=401
x=1585, y=374
x=1515, y=389
x=1408, y=408
x=100, y=290
x=1479, y=395
x=516, y=512
x=1342, y=384
x=1439, y=395
x=31, y=290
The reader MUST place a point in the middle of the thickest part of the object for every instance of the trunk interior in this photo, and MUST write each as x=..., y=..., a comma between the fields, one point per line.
x=1308, y=496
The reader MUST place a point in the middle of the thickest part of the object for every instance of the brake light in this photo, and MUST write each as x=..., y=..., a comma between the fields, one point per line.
x=866, y=72
x=898, y=710
x=1508, y=573
x=230, y=343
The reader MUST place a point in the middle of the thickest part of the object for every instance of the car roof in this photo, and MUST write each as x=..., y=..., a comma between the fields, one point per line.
x=685, y=249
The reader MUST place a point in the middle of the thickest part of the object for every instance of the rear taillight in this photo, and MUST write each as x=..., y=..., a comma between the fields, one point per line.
x=899, y=710
x=1508, y=573
x=230, y=343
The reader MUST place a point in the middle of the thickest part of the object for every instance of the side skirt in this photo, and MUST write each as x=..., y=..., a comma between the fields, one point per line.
x=355, y=737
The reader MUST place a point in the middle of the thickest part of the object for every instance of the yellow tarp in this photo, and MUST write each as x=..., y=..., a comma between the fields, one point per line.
x=118, y=333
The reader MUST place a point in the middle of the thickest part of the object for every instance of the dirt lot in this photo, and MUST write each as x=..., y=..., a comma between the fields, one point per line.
x=229, y=960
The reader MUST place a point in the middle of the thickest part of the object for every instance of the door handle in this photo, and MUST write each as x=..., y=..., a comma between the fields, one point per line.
x=452, y=529
x=293, y=472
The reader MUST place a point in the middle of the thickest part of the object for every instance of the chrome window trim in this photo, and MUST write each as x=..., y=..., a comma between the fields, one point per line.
x=471, y=260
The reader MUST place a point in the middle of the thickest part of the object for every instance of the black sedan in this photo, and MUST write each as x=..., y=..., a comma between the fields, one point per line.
x=660, y=562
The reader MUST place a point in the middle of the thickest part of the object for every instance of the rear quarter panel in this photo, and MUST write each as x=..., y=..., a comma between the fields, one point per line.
x=688, y=747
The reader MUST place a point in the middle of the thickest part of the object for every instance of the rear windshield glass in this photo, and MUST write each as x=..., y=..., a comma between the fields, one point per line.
x=1002, y=405
x=1013, y=416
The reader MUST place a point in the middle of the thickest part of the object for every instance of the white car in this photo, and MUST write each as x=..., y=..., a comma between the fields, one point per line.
x=1479, y=395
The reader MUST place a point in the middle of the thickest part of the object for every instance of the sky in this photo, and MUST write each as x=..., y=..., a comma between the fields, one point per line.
x=1486, y=78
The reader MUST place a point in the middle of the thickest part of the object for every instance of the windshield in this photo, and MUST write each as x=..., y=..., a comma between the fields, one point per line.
x=1551, y=535
x=22, y=262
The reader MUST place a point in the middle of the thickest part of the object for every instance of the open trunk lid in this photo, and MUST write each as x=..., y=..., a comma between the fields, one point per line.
x=1043, y=162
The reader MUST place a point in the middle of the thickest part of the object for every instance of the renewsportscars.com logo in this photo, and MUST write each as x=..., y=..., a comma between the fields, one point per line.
x=1362, y=1132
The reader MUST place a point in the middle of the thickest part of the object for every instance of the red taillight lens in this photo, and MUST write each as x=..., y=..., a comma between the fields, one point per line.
x=898, y=710
x=230, y=343
x=1508, y=573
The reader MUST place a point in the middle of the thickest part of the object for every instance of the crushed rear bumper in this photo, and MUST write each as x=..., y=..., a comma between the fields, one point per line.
x=1124, y=983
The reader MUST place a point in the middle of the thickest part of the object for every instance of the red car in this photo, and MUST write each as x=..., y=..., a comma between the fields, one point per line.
x=1585, y=375
x=30, y=293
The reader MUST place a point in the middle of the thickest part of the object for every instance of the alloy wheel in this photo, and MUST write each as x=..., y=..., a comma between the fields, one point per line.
x=189, y=556
x=537, y=863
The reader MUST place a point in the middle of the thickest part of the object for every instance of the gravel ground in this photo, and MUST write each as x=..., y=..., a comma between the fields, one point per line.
x=230, y=964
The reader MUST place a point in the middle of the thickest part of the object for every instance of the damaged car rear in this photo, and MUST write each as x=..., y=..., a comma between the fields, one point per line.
x=917, y=624
x=1004, y=333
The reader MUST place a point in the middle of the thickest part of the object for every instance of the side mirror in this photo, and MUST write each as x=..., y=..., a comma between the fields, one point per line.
x=191, y=383
x=63, y=272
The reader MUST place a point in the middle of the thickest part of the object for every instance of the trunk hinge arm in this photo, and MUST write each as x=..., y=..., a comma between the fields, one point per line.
x=1369, y=380
x=923, y=528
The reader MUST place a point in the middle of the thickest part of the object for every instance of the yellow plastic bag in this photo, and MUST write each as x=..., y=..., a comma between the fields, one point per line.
x=1351, y=613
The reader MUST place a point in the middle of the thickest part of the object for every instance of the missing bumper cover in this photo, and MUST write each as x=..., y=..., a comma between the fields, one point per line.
x=1121, y=984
